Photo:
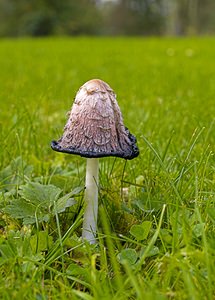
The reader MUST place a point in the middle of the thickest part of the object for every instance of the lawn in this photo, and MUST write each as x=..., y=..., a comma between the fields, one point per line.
x=156, y=219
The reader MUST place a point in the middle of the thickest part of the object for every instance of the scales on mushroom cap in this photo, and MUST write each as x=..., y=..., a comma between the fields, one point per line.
x=95, y=126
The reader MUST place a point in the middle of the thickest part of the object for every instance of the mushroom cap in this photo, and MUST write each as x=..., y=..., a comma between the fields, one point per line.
x=95, y=126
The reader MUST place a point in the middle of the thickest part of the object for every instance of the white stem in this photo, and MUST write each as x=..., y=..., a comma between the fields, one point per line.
x=91, y=199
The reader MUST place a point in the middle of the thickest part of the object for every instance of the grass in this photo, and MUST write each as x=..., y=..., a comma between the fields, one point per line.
x=157, y=215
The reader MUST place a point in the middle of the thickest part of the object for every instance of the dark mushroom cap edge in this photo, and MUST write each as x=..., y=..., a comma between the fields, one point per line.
x=134, y=151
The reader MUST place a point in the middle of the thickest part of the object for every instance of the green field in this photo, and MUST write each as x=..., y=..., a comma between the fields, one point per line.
x=157, y=212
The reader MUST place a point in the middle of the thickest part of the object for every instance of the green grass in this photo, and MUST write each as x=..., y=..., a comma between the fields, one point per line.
x=157, y=212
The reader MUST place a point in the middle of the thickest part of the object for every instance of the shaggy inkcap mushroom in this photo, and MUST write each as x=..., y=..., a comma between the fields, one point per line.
x=95, y=129
x=95, y=126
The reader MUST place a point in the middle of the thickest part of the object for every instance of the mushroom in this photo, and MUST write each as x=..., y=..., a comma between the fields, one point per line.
x=95, y=129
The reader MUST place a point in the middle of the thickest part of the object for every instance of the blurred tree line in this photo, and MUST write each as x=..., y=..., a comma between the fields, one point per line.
x=106, y=17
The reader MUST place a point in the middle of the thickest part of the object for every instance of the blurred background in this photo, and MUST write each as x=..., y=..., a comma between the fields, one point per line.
x=106, y=17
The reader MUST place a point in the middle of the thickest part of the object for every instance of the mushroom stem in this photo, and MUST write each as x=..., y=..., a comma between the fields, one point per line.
x=91, y=199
